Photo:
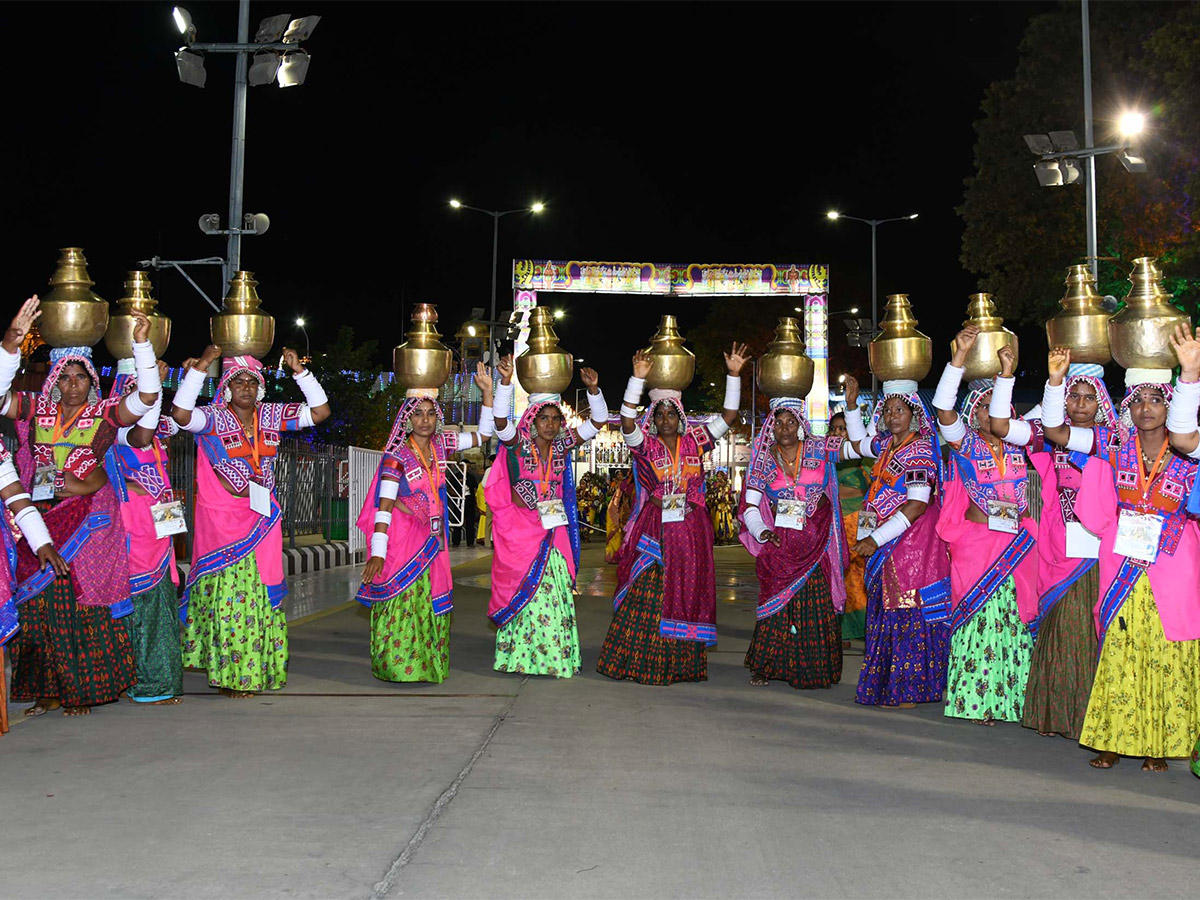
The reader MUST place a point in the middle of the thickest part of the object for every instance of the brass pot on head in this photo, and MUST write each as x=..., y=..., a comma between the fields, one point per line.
x=900, y=351
x=982, y=361
x=785, y=369
x=241, y=328
x=72, y=314
x=1082, y=325
x=119, y=336
x=422, y=361
x=543, y=367
x=672, y=365
x=1138, y=333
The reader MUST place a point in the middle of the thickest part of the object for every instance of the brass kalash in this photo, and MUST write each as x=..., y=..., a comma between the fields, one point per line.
x=543, y=367
x=422, y=361
x=785, y=369
x=119, y=336
x=982, y=361
x=672, y=365
x=1082, y=325
x=72, y=314
x=241, y=328
x=900, y=351
x=1138, y=333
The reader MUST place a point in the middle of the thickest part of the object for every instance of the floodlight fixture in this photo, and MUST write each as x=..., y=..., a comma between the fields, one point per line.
x=293, y=68
x=1133, y=163
x=537, y=207
x=263, y=68
x=183, y=21
x=190, y=66
x=1064, y=141
x=271, y=29
x=1131, y=123
x=300, y=29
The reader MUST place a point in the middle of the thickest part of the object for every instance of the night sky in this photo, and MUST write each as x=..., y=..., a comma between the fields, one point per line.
x=713, y=133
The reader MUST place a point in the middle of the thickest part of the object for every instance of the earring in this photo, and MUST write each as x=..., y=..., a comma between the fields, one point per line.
x=55, y=394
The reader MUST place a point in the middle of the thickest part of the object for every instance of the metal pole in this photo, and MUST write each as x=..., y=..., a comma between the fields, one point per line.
x=1089, y=177
x=495, y=251
x=233, y=251
x=874, y=305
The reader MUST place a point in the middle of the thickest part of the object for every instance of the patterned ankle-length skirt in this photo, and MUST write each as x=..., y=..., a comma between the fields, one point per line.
x=75, y=653
x=1064, y=662
x=1146, y=697
x=989, y=661
x=408, y=642
x=635, y=650
x=233, y=633
x=543, y=638
x=801, y=644
x=905, y=657
x=154, y=629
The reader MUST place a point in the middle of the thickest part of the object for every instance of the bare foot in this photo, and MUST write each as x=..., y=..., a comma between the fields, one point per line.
x=43, y=706
x=1154, y=764
x=77, y=710
x=1106, y=760
x=758, y=679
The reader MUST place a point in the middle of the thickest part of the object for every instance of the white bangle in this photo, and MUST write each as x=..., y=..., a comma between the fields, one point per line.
x=733, y=391
x=1185, y=403
x=502, y=400
x=10, y=364
x=30, y=521
x=598, y=407
x=314, y=394
x=8, y=474
x=891, y=529
x=633, y=390
x=383, y=517
x=487, y=422
x=1000, y=405
x=955, y=431
x=1081, y=440
x=379, y=544
x=946, y=395
x=1054, y=405
x=388, y=489
x=189, y=389
x=148, y=380
x=855, y=429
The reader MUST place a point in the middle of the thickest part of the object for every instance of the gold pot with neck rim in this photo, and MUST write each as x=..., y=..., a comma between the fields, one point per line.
x=242, y=328
x=423, y=361
x=785, y=369
x=73, y=315
x=672, y=365
x=982, y=361
x=1082, y=326
x=1139, y=332
x=899, y=351
x=544, y=367
x=119, y=336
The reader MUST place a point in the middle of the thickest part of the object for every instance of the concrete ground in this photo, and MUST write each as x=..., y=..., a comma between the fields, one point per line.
x=493, y=785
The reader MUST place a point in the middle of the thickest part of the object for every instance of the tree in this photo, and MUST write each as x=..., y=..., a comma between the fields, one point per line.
x=1019, y=236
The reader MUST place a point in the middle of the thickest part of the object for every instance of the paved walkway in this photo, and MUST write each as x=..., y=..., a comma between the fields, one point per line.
x=498, y=786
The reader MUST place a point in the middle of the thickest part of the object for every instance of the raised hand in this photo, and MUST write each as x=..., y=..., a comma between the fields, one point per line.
x=641, y=364
x=963, y=342
x=21, y=323
x=590, y=379
x=736, y=358
x=1187, y=348
x=1008, y=361
x=292, y=360
x=851, y=384
x=141, y=327
x=1057, y=363
x=505, y=367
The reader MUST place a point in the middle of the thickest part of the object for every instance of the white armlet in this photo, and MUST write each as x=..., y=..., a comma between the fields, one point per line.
x=379, y=544
x=1000, y=406
x=29, y=520
x=717, y=427
x=955, y=431
x=1185, y=403
x=389, y=489
x=314, y=394
x=895, y=526
x=946, y=395
x=189, y=389
x=1054, y=405
x=8, y=474
x=633, y=438
x=854, y=424
x=1081, y=440
x=733, y=392
x=633, y=390
x=1019, y=433
x=197, y=423
x=487, y=423
x=921, y=492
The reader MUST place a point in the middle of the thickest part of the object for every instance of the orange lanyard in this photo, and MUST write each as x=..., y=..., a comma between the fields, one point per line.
x=882, y=463
x=1146, y=482
x=543, y=473
x=168, y=494
x=59, y=431
x=673, y=470
x=795, y=472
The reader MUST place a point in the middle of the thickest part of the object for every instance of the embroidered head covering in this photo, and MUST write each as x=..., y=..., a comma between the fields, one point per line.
x=1135, y=381
x=413, y=398
x=60, y=358
x=231, y=367
x=659, y=396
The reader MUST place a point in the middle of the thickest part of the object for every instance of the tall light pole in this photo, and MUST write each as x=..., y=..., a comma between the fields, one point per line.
x=834, y=216
x=496, y=216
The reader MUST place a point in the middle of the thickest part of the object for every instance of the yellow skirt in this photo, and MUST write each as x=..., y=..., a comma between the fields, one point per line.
x=1146, y=697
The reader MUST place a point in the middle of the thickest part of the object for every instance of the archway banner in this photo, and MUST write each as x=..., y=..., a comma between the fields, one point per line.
x=701, y=279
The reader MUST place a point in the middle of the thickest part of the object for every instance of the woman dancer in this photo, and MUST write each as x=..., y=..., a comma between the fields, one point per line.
x=1064, y=653
x=993, y=565
x=792, y=525
x=234, y=627
x=531, y=493
x=70, y=651
x=406, y=582
x=1146, y=698
x=907, y=575
x=665, y=607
